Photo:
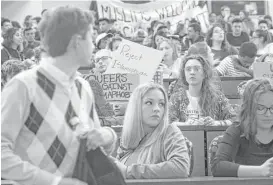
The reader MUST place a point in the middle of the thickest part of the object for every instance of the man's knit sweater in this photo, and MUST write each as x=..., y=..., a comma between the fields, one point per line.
x=39, y=144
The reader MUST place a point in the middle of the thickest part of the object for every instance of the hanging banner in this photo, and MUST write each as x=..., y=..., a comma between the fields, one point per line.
x=173, y=11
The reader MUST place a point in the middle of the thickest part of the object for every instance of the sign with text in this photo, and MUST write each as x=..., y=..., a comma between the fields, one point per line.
x=173, y=11
x=137, y=59
x=116, y=87
x=263, y=69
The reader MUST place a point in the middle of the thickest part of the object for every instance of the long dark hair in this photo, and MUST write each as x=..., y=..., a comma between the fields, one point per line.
x=208, y=101
x=225, y=45
x=8, y=37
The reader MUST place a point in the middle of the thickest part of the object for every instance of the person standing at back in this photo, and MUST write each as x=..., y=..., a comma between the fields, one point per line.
x=53, y=107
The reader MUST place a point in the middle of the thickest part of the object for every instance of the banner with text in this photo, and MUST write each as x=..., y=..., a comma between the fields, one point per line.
x=116, y=87
x=137, y=59
x=173, y=11
x=263, y=69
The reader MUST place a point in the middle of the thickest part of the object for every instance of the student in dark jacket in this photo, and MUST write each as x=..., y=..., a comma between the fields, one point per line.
x=194, y=35
x=237, y=37
x=246, y=149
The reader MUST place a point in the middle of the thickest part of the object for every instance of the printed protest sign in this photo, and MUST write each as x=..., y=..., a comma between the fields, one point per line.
x=263, y=69
x=137, y=59
x=116, y=87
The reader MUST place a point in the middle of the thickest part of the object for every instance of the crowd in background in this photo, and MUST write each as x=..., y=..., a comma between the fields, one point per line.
x=226, y=34
x=231, y=45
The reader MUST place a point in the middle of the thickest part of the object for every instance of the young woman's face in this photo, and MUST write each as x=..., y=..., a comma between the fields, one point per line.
x=165, y=46
x=264, y=112
x=218, y=34
x=153, y=108
x=194, y=72
x=17, y=37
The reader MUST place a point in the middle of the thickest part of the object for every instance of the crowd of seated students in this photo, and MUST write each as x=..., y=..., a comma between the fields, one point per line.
x=20, y=42
x=227, y=49
x=152, y=145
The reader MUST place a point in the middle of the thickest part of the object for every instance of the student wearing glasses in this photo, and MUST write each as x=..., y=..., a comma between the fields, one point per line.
x=102, y=60
x=246, y=149
x=199, y=102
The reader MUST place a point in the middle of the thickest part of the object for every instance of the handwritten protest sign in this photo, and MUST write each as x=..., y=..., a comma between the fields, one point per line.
x=263, y=69
x=137, y=59
x=116, y=87
x=173, y=11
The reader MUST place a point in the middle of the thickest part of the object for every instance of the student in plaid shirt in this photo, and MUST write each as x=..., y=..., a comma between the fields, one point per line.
x=46, y=109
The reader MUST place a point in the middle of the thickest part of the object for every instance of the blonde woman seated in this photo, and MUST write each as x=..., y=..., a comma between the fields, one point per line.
x=246, y=149
x=200, y=102
x=171, y=61
x=150, y=147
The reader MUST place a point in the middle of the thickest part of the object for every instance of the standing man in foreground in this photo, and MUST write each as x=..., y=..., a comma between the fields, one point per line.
x=46, y=109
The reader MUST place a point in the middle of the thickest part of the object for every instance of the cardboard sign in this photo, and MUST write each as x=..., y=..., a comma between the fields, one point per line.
x=137, y=59
x=116, y=87
x=263, y=69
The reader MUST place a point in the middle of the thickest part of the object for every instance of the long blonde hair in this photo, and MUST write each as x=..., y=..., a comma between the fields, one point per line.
x=247, y=117
x=133, y=132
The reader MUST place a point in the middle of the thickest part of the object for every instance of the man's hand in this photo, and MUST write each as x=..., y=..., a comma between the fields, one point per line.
x=98, y=137
x=121, y=166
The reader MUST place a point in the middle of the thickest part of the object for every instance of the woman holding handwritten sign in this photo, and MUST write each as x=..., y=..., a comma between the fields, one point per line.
x=171, y=63
x=150, y=147
x=246, y=149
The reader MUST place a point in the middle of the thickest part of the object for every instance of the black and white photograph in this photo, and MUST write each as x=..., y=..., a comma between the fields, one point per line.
x=136, y=92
